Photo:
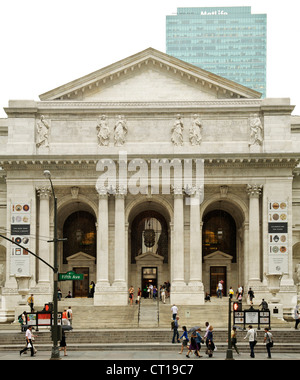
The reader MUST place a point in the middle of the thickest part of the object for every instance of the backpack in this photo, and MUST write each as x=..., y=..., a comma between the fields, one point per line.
x=172, y=325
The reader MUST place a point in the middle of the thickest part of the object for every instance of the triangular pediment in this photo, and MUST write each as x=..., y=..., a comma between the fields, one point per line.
x=218, y=255
x=149, y=256
x=150, y=76
x=80, y=256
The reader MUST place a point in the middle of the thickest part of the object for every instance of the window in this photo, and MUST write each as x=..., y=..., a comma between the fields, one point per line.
x=149, y=233
x=219, y=233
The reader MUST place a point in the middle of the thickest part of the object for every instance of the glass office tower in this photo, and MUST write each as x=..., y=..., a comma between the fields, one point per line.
x=230, y=42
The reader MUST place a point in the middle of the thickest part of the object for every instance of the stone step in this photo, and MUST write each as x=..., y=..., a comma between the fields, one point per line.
x=87, y=316
x=145, y=339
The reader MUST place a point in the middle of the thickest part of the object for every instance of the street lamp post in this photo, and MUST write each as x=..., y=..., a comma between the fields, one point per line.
x=229, y=355
x=55, y=331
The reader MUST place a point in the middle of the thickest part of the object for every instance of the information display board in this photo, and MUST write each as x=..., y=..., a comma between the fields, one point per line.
x=252, y=317
x=42, y=319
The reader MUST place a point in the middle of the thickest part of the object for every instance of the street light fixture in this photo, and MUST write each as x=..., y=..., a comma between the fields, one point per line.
x=55, y=327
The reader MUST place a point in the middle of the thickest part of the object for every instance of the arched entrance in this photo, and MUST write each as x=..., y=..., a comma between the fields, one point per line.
x=149, y=246
x=78, y=252
x=223, y=245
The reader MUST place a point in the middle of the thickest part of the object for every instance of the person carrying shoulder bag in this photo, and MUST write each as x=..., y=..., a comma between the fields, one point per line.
x=268, y=339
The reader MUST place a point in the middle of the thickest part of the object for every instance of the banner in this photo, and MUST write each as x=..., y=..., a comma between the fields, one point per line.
x=20, y=233
x=278, y=236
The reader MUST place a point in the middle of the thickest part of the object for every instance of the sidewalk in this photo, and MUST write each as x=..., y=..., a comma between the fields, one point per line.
x=143, y=356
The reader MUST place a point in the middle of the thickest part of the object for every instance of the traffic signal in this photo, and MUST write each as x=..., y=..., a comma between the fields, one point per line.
x=237, y=306
x=48, y=307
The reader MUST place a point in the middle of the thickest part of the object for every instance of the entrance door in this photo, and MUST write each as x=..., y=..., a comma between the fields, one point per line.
x=217, y=274
x=81, y=288
x=149, y=276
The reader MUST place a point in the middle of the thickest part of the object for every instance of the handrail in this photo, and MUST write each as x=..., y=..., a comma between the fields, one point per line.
x=139, y=310
x=158, y=311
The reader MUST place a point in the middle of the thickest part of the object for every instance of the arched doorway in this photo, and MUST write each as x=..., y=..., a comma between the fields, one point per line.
x=149, y=246
x=79, y=250
x=219, y=250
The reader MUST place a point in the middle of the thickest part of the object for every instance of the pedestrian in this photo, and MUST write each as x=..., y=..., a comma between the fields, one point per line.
x=92, y=289
x=29, y=345
x=206, y=331
x=193, y=345
x=70, y=315
x=239, y=293
x=154, y=292
x=163, y=294
x=207, y=297
x=264, y=305
x=220, y=289
x=185, y=339
x=251, y=296
x=23, y=321
x=175, y=330
x=199, y=340
x=268, y=339
x=296, y=316
x=131, y=294
x=210, y=342
x=251, y=335
x=174, y=310
x=59, y=294
x=63, y=344
x=139, y=294
x=234, y=339
x=150, y=291
x=69, y=295
x=65, y=317
x=30, y=302
x=231, y=292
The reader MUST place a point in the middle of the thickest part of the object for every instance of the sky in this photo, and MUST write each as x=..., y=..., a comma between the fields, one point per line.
x=47, y=43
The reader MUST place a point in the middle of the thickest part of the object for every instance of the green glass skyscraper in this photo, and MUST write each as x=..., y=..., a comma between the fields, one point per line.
x=230, y=42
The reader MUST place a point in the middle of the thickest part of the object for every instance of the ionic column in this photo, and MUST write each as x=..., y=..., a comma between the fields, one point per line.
x=44, y=194
x=195, y=240
x=102, y=240
x=178, y=240
x=254, y=192
x=120, y=249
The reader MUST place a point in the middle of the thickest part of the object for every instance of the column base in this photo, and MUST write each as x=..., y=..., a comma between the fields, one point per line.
x=111, y=295
x=187, y=294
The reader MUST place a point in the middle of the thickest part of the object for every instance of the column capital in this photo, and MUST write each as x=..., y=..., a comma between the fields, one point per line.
x=254, y=191
x=121, y=192
x=103, y=195
x=44, y=192
x=177, y=191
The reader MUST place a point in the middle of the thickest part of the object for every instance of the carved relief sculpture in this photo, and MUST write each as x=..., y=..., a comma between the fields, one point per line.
x=43, y=127
x=120, y=131
x=103, y=132
x=195, y=131
x=256, y=130
x=177, y=131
